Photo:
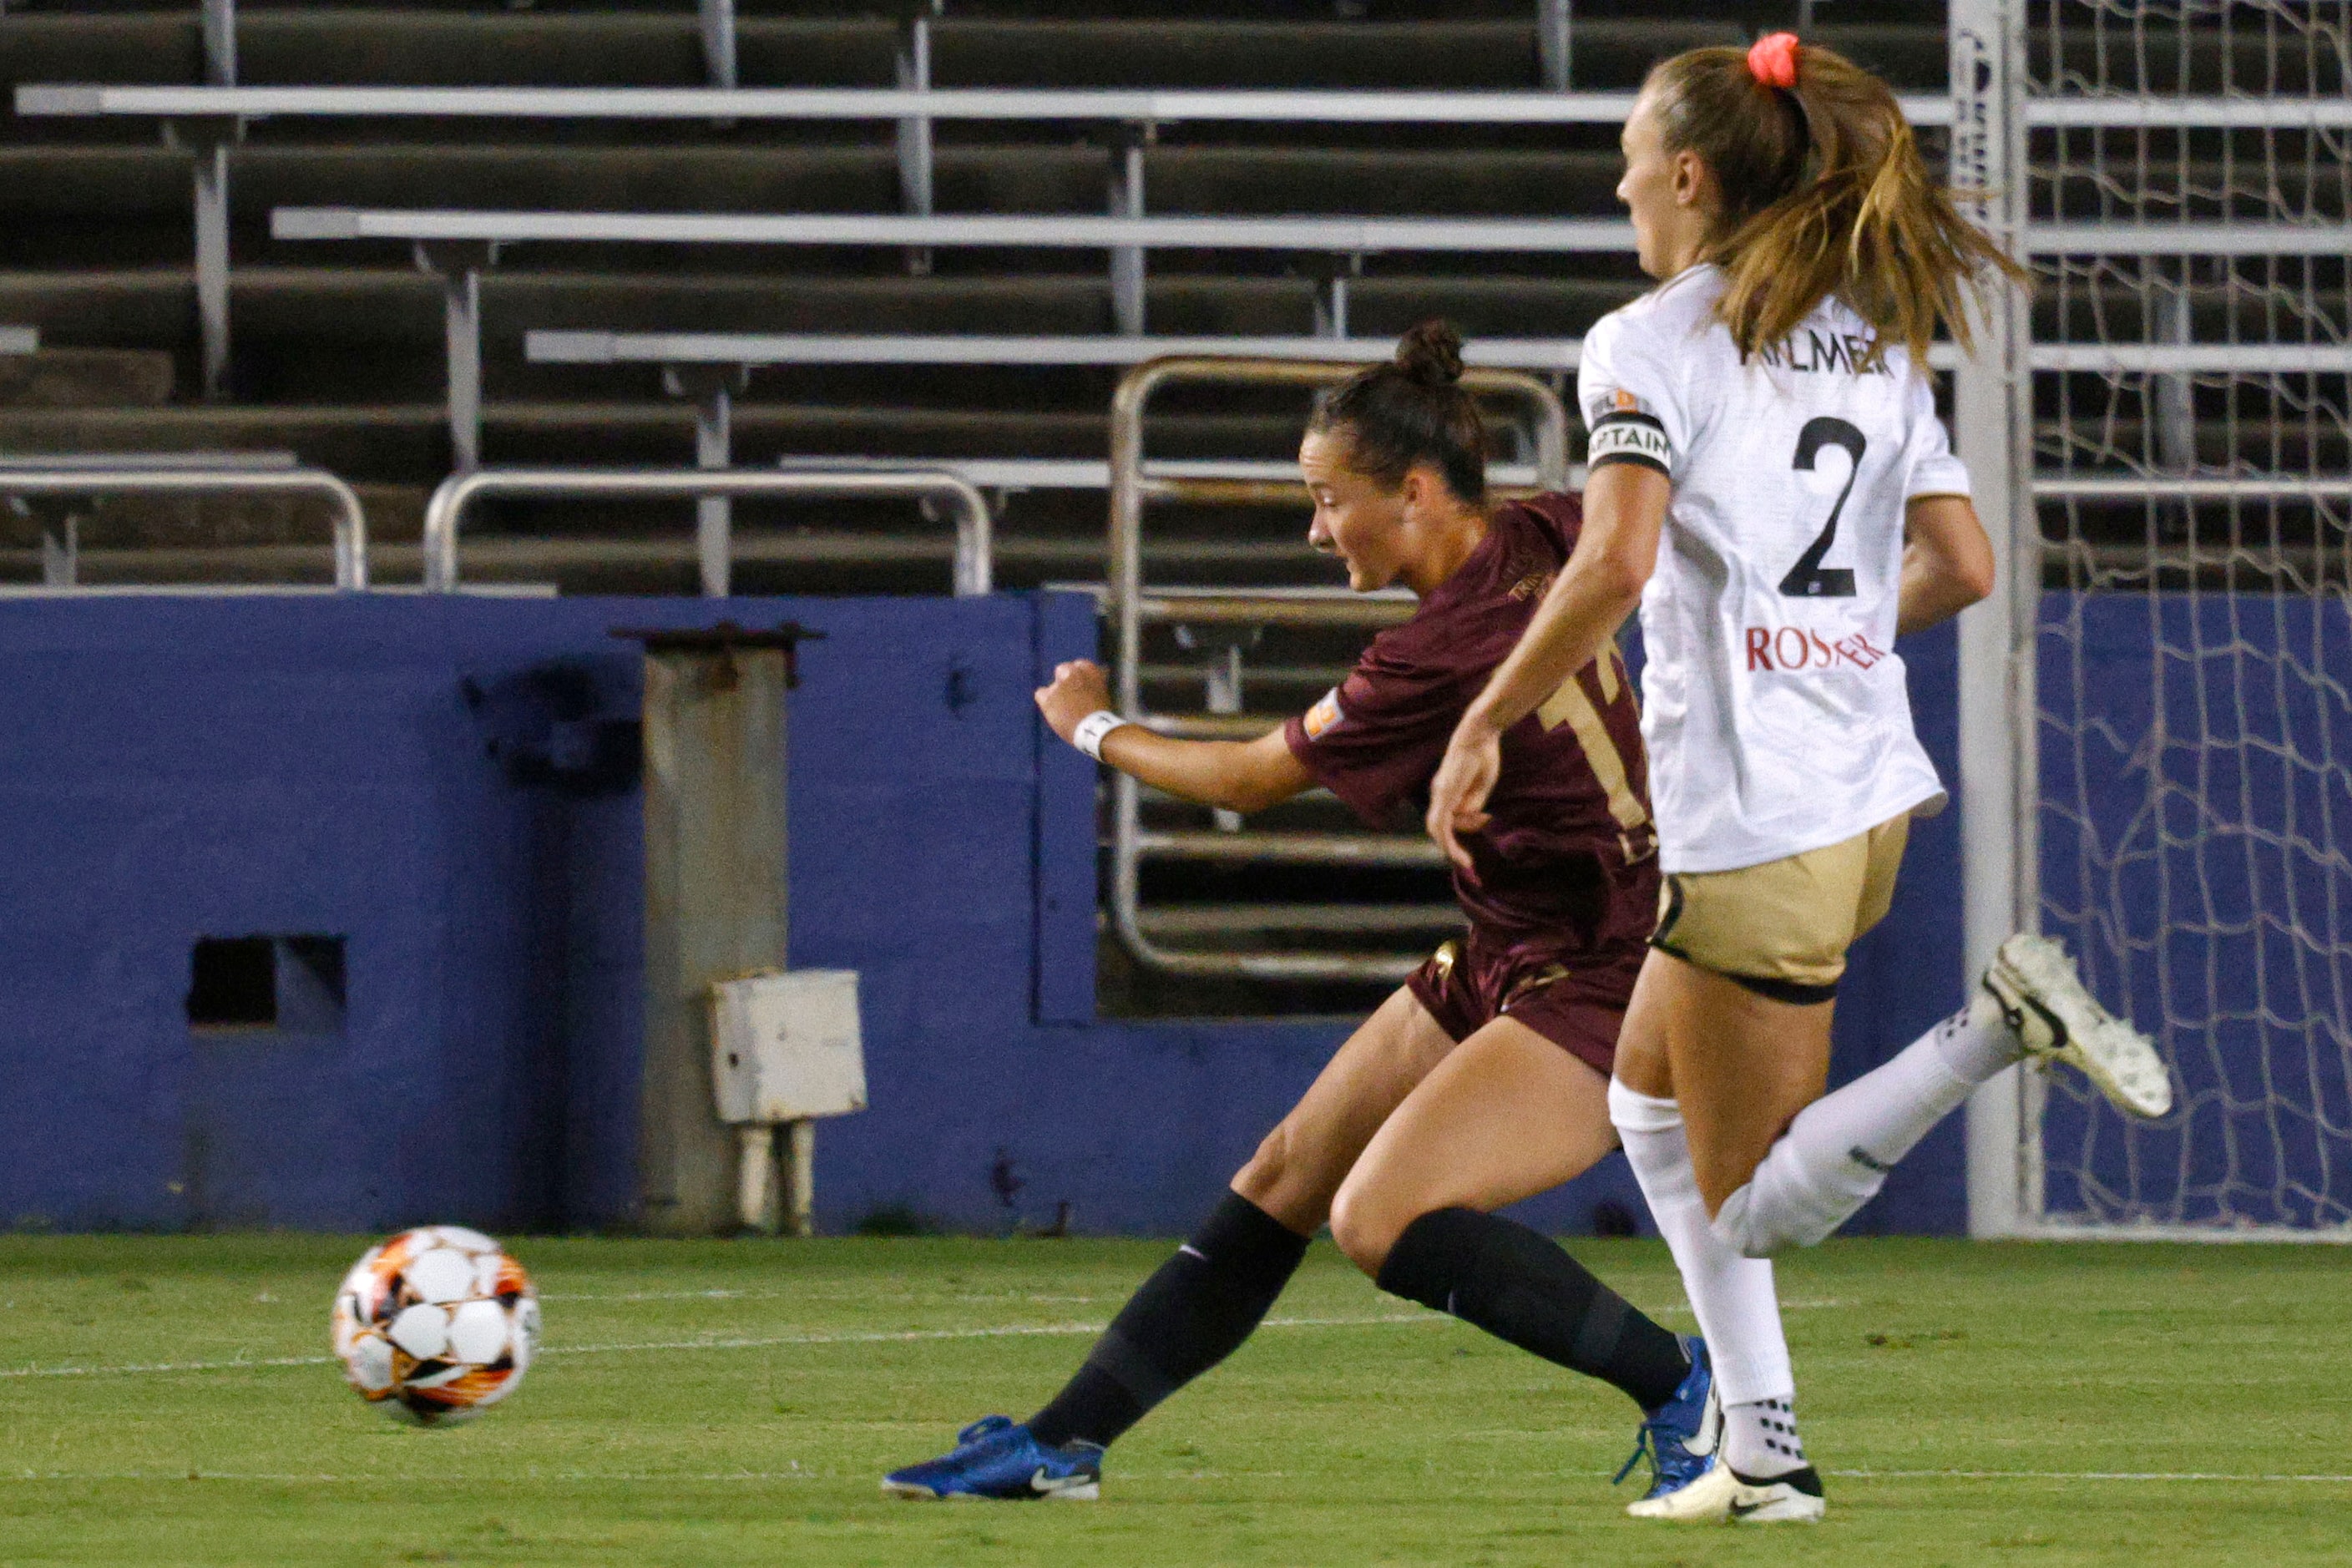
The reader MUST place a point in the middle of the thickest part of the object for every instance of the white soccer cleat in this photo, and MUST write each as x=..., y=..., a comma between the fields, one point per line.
x=1723, y=1496
x=2044, y=1002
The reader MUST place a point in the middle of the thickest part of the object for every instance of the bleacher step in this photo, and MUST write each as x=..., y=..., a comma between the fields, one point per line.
x=86, y=378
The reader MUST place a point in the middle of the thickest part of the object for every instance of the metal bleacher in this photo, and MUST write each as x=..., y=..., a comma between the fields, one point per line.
x=1271, y=112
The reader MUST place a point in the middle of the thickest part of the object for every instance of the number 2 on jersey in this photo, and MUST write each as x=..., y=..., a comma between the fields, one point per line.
x=1808, y=579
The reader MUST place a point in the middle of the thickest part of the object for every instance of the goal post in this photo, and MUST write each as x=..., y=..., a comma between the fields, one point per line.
x=1991, y=428
x=2156, y=711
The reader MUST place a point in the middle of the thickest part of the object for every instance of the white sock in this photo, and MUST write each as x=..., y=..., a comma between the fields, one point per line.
x=1836, y=1154
x=1738, y=1307
x=1977, y=1042
x=1760, y=1439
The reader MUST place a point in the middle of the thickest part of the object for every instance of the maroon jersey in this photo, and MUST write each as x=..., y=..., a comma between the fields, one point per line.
x=1568, y=861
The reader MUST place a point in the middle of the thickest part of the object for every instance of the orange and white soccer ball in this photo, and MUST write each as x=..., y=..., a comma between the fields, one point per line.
x=436, y=1324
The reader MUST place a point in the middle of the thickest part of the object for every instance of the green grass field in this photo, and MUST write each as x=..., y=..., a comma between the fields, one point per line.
x=167, y=1400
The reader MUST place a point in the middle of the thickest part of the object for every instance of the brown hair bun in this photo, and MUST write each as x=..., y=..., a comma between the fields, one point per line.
x=1431, y=354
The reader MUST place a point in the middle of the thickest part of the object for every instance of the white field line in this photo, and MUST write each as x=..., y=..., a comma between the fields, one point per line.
x=2081, y=1476
x=745, y=1342
x=395, y=1478
x=801, y=1292
x=805, y=1291
x=760, y=1341
x=535, y=1477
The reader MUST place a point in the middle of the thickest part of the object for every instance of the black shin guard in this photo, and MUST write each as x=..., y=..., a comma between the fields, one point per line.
x=1519, y=1286
x=1189, y=1315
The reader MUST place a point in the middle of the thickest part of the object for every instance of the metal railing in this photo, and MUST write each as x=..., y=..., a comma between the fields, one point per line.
x=711, y=368
x=227, y=473
x=446, y=511
x=1131, y=605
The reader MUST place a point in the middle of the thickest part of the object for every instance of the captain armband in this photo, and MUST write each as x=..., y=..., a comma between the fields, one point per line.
x=1629, y=438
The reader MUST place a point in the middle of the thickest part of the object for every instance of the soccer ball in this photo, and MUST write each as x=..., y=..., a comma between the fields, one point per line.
x=436, y=1324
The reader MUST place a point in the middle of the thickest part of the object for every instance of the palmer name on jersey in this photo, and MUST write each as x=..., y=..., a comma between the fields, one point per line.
x=1776, y=710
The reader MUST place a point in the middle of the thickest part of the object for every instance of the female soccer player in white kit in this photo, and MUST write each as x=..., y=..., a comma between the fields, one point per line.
x=1770, y=484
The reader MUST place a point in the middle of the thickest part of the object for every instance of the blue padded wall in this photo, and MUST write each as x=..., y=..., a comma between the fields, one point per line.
x=450, y=785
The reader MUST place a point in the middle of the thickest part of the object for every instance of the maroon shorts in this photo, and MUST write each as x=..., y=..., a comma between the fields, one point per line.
x=1577, y=1006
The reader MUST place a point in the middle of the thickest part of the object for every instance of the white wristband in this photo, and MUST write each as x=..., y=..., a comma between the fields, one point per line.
x=1088, y=735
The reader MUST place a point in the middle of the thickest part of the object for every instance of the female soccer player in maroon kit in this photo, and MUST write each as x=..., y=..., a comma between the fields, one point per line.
x=1484, y=1078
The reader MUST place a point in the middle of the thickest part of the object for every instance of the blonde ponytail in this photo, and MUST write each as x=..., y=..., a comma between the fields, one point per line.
x=1823, y=195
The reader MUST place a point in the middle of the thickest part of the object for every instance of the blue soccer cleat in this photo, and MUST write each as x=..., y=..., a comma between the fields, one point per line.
x=995, y=1458
x=1680, y=1437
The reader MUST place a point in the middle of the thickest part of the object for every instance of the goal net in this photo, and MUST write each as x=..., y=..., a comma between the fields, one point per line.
x=2189, y=760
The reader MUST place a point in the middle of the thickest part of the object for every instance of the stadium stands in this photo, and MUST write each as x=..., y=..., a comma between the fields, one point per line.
x=337, y=350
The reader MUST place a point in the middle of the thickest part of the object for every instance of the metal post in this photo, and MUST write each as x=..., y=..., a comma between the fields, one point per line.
x=1553, y=43
x=713, y=521
x=715, y=899
x=800, y=1183
x=2172, y=402
x=61, y=552
x=463, y=324
x=2175, y=408
x=459, y=269
x=914, y=135
x=219, y=23
x=1331, y=298
x=1992, y=410
x=713, y=389
x=209, y=144
x=718, y=42
x=1127, y=261
x=1331, y=307
x=755, y=1177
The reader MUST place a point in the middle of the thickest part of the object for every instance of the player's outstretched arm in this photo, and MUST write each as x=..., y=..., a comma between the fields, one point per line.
x=1946, y=562
x=1616, y=552
x=1238, y=775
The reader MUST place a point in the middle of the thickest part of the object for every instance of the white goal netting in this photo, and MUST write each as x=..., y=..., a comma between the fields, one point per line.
x=2193, y=658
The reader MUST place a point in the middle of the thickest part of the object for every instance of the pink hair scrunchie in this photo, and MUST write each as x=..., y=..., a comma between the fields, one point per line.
x=1773, y=59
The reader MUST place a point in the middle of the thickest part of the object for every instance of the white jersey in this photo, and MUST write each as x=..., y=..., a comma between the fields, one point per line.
x=1774, y=706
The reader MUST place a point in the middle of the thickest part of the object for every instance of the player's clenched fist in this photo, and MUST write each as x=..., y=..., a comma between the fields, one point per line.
x=1080, y=686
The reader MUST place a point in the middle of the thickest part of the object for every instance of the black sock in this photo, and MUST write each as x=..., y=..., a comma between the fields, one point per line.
x=1518, y=1287
x=1189, y=1315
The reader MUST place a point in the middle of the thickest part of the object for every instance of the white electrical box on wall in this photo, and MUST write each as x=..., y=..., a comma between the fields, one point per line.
x=787, y=1046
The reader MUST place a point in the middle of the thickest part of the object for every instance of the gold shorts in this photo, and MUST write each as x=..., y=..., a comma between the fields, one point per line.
x=1782, y=929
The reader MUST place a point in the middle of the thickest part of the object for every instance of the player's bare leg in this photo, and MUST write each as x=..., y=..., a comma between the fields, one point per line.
x=1742, y=1065
x=1300, y=1166
x=1735, y=1296
x=1505, y=1115
x=1508, y=1115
